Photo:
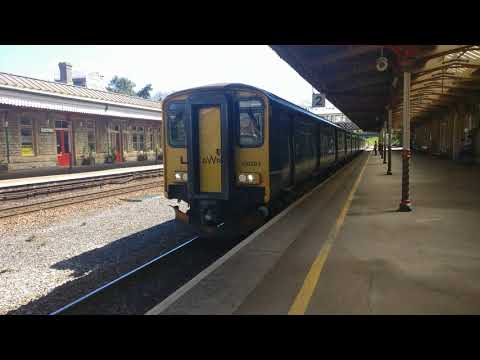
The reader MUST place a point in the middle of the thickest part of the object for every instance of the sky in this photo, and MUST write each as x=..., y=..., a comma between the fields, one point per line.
x=166, y=67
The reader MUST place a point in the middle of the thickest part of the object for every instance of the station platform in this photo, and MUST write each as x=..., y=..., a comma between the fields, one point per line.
x=345, y=249
x=61, y=170
x=7, y=183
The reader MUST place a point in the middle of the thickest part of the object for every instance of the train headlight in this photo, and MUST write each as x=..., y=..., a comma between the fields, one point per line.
x=249, y=179
x=181, y=176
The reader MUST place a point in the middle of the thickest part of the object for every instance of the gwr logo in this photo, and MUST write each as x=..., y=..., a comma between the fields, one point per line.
x=212, y=160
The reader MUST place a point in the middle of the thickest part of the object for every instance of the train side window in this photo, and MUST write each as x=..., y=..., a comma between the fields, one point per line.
x=176, y=124
x=250, y=120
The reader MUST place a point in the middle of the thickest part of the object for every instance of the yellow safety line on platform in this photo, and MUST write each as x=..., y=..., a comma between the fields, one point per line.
x=300, y=305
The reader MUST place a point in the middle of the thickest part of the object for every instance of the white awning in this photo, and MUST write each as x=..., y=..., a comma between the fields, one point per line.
x=36, y=101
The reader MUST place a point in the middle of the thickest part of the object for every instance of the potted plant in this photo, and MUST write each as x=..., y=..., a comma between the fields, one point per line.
x=110, y=156
x=151, y=154
x=3, y=165
x=93, y=156
x=86, y=160
x=141, y=156
x=158, y=153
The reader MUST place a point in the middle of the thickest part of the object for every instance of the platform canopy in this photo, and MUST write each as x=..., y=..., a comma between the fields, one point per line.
x=362, y=89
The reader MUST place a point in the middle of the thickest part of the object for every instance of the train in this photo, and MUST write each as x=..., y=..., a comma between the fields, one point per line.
x=233, y=149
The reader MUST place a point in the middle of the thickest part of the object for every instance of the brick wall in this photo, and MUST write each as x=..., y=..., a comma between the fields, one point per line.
x=45, y=143
x=448, y=130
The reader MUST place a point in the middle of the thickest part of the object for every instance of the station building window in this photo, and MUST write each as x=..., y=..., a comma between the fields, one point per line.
x=92, y=141
x=61, y=124
x=26, y=136
x=125, y=142
x=152, y=139
x=138, y=138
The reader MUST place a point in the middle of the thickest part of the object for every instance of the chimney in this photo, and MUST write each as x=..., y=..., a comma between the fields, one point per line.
x=65, y=72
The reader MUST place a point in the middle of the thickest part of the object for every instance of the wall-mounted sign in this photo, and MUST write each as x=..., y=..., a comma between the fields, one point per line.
x=318, y=100
x=27, y=150
x=46, y=130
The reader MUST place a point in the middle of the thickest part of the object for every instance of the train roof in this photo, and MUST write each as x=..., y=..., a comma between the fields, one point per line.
x=231, y=86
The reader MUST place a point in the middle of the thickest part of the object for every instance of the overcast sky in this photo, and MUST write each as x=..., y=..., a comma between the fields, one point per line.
x=166, y=67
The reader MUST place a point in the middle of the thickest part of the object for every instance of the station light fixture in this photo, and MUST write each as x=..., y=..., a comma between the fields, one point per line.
x=382, y=62
x=181, y=176
x=249, y=178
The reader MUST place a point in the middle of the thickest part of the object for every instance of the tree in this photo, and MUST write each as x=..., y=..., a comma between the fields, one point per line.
x=121, y=85
x=145, y=92
x=160, y=95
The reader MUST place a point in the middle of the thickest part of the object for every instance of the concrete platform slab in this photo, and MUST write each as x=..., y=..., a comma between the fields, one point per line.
x=380, y=261
x=74, y=176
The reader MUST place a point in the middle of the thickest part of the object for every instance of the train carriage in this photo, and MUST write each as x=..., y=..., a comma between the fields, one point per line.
x=233, y=149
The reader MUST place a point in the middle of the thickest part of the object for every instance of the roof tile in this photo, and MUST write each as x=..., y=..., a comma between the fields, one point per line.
x=23, y=82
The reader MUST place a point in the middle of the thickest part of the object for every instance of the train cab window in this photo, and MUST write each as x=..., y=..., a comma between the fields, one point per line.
x=176, y=124
x=250, y=129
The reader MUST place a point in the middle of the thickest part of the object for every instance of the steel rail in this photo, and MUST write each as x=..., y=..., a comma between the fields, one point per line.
x=122, y=277
x=49, y=204
x=23, y=191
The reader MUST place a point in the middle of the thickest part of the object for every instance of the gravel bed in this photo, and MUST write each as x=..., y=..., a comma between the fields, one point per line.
x=51, y=257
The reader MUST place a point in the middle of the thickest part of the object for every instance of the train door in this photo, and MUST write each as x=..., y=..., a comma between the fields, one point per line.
x=291, y=143
x=318, y=143
x=207, y=146
x=116, y=143
x=63, y=142
x=336, y=132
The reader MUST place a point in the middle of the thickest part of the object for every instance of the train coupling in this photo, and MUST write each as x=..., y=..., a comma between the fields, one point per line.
x=180, y=215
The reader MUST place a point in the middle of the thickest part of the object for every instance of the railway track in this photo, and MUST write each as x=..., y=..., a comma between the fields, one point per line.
x=91, y=299
x=75, y=199
x=27, y=191
x=139, y=290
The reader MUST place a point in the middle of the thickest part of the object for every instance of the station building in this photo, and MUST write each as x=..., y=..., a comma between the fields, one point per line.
x=48, y=124
x=446, y=133
x=341, y=120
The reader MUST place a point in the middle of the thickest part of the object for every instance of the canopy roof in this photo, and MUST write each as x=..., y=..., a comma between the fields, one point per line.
x=348, y=74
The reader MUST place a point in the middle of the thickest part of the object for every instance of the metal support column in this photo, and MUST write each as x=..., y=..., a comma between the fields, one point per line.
x=7, y=140
x=385, y=142
x=380, y=143
x=389, y=131
x=405, y=203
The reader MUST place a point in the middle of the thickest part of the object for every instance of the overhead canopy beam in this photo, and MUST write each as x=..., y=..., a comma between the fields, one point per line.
x=442, y=50
x=349, y=76
x=352, y=51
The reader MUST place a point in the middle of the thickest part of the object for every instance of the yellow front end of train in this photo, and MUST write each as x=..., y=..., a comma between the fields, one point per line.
x=216, y=152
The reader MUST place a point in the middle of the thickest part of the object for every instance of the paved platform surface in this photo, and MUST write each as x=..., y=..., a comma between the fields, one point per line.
x=344, y=252
x=74, y=176
x=61, y=170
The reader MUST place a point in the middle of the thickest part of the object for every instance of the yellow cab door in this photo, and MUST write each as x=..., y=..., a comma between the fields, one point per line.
x=210, y=149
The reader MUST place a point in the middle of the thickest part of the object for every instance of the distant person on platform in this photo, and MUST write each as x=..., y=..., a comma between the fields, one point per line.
x=375, y=147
